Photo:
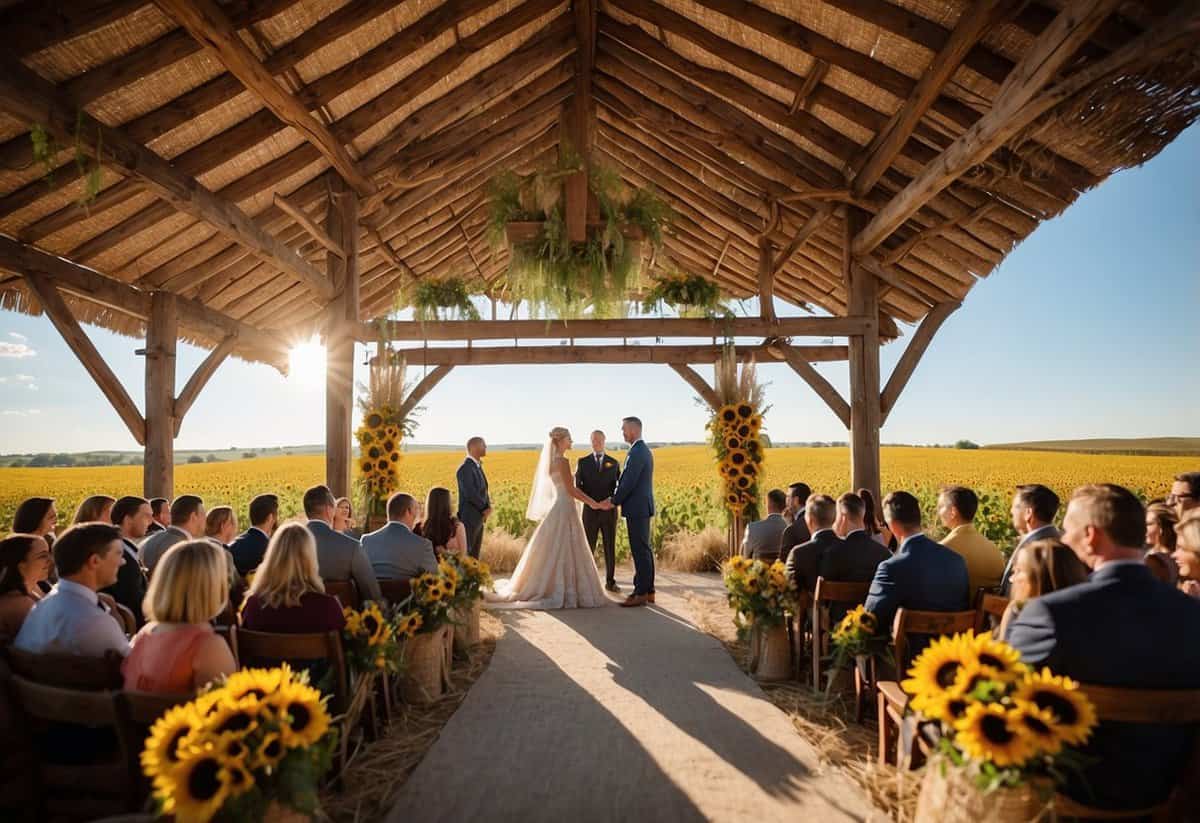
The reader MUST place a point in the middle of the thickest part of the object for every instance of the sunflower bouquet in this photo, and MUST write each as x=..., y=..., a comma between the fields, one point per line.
x=370, y=639
x=385, y=424
x=433, y=596
x=735, y=431
x=1001, y=722
x=471, y=577
x=760, y=594
x=263, y=737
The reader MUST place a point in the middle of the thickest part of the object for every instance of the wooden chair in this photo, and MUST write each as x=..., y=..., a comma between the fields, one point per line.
x=345, y=591
x=86, y=791
x=826, y=592
x=988, y=608
x=17, y=798
x=796, y=634
x=1148, y=707
x=68, y=671
x=895, y=727
x=396, y=591
x=137, y=712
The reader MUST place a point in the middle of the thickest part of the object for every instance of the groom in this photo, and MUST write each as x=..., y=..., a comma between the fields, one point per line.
x=635, y=496
x=474, y=504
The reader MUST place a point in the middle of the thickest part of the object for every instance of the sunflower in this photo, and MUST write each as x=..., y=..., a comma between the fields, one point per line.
x=756, y=422
x=162, y=753
x=383, y=465
x=744, y=431
x=239, y=717
x=998, y=660
x=395, y=457
x=201, y=785
x=732, y=441
x=231, y=747
x=366, y=436
x=410, y=624
x=269, y=752
x=730, y=471
x=1039, y=725
x=935, y=670
x=743, y=482
x=372, y=620
x=727, y=414
x=240, y=779
x=304, y=718
x=365, y=466
x=738, y=458
x=392, y=432
x=989, y=732
x=1074, y=715
x=374, y=452
x=373, y=420
x=745, y=411
x=750, y=469
x=949, y=706
x=389, y=445
x=255, y=682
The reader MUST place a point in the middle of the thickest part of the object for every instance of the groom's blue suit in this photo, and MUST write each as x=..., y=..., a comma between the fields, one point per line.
x=635, y=496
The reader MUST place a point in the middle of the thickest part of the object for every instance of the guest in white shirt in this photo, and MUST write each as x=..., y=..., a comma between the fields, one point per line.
x=71, y=618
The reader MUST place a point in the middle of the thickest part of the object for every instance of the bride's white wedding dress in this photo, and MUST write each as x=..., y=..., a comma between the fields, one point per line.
x=556, y=570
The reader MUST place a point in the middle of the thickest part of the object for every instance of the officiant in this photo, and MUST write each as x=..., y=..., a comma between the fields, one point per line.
x=596, y=475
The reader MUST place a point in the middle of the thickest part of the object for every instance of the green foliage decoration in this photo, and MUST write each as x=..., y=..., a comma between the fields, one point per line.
x=443, y=300
x=691, y=295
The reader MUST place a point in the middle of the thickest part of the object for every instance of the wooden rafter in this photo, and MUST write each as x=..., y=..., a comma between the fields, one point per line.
x=209, y=25
x=824, y=389
x=912, y=356
x=581, y=118
x=307, y=223
x=199, y=379
x=423, y=388
x=562, y=355
x=698, y=384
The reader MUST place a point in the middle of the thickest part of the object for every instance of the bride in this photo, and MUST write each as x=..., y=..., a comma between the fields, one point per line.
x=556, y=570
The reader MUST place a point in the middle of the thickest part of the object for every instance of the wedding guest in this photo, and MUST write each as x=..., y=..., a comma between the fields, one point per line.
x=439, y=527
x=24, y=566
x=1185, y=493
x=1187, y=554
x=160, y=510
x=343, y=517
x=873, y=522
x=1033, y=510
x=1160, y=527
x=395, y=551
x=858, y=557
x=763, y=538
x=220, y=525
x=1163, y=567
x=36, y=515
x=797, y=531
x=95, y=509
x=187, y=523
x=1121, y=627
x=288, y=595
x=71, y=619
x=474, y=504
x=804, y=561
x=250, y=546
x=133, y=517
x=956, y=507
x=1040, y=567
x=921, y=575
x=178, y=652
x=597, y=475
x=338, y=557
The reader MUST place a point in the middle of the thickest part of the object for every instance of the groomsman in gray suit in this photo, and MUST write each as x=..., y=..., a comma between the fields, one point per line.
x=474, y=505
x=339, y=557
x=394, y=551
x=761, y=541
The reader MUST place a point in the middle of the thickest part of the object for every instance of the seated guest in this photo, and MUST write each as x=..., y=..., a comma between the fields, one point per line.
x=24, y=566
x=95, y=509
x=1187, y=554
x=249, y=547
x=178, y=652
x=338, y=557
x=804, y=561
x=956, y=507
x=856, y=560
x=1121, y=627
x=873, y=522
x=396, y=553
x=1160, y=527
x=1040, y=567
x=797, y=531
x=921, y=575
x=440, y=527
x=36, y=515
x=1033, y=510
x=132, y=516
x=343, y=517
x=1185, y=493
x=160, y=511
x=288, y=595
x=762, y=538
x=70, y=619
x=187, y=523
x=1163, y=567
x=220, y=525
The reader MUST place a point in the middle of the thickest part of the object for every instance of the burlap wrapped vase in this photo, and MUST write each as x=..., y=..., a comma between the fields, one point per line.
x=423, y=678
x=949, y=795
x=774, y=660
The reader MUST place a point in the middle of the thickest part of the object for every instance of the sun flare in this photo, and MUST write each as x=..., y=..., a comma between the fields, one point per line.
x=306, y=362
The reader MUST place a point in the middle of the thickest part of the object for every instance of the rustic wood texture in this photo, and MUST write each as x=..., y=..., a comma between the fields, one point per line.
x=625, y=327
x=341, y=318
x=162, y=332
x=563, y=355
x=865, y=417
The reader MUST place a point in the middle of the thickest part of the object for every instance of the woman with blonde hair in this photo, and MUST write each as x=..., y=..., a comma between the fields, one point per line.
x=343, y=517
x=177, y=651
x=1187, y=553
x=288, y=595
x=95, y=509
x=1040, y=567
x=220, y=524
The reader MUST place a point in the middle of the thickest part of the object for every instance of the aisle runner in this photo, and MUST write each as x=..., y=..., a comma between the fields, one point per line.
x=620, y=714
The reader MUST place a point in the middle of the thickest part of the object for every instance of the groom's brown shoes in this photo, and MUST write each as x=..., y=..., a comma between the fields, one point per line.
x=634, y=600
x=650, y=598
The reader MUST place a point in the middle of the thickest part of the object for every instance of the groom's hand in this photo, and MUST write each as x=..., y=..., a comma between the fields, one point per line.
x=487, y=512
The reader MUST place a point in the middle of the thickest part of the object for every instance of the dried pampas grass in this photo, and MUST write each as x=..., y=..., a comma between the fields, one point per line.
x=686, y=551
x=501, y=551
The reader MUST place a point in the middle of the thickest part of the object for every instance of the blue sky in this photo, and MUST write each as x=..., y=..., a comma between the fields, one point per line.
x=1088, y=329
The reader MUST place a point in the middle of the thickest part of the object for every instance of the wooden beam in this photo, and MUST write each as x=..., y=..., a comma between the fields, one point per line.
x=581, y=118
x=824, y=389
x=162, y=331
x=33, y=99
x=620, y=328
x=79, y=343
x=563, y=355
x=816, y=75
x=863, y=297
x=308, y=224
x=208, y=24
x=912, y=356
x=200, y=378
x=810, y=227
x=698, y=383
x=340, y=321
x=1041, y=62
x=423, y=388
x=721, y=257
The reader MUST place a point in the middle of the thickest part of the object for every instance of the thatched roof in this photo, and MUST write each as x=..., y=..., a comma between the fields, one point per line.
x=745, y=116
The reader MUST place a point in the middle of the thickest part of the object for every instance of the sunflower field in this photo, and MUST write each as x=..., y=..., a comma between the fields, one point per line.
x=687, y=488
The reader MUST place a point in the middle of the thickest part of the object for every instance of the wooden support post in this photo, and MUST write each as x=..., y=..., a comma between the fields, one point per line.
x=698, y=383
x=162, y=331
x=865, y=417
x=341, y=319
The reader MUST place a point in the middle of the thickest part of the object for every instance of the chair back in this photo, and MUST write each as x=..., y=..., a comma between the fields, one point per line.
x=910, y=621
x=70, y=671
x=137, y=712
x=833, y=591
x=125, y=617
x=988, y=608
x=269, y=649
x=345, y=591
x=396, y=591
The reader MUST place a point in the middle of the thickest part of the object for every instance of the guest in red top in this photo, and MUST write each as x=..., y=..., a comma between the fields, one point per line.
x=24, y=564
x=177, y=652
x=287, y=595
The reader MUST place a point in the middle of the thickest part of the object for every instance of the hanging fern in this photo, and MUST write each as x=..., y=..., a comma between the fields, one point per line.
x=91, y=171
x=691, y=295
x=443, y=300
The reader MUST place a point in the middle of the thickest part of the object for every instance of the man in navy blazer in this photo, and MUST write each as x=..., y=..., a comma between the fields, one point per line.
x=1121, y=628
x=474, y=504
x=249, y=547
x=922, y=575
x=635, y=496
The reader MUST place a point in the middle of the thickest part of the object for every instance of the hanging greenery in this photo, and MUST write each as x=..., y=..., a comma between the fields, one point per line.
x=691, y=295
x=735, y=430
x=447, y=299
x=565, y=279
x=91, y=171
